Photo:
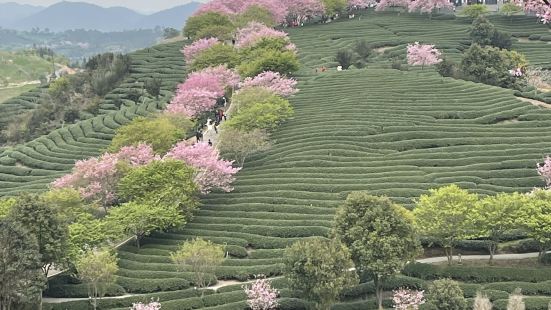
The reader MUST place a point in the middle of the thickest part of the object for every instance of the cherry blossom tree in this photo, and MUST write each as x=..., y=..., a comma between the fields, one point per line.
x=153, y=305
x=386, y=4
x=544, y=170
x=273, y=81
x=429, y=6
x=353, y=5
x=545, y=17
x=201, y=90
x=212, y=171
x=300, y=11
x=192, y=50
x=261, y=295
x=423, y=54
x=193, y=102
x=405, y=299
x=234, y=7
x=96, y=178
x=254, y=32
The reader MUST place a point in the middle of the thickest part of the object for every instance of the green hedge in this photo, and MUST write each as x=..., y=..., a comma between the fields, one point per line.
x=477, y=274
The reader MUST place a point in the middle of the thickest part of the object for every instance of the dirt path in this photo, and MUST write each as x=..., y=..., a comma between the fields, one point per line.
x=535, y=102
x=220, y=284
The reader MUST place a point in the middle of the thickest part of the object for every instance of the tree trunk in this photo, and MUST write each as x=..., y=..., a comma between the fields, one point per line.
x=492, y=247
x=449, y=254
x=379, y=291
x=138, y=241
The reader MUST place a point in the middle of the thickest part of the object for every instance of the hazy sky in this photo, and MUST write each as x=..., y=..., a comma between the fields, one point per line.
x=138, y=5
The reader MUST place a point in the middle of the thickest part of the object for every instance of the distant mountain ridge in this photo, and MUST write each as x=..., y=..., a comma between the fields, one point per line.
x=11, y=12
x=79, y=15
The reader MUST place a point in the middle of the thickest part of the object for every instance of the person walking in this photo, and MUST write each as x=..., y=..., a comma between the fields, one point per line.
x=210, y=143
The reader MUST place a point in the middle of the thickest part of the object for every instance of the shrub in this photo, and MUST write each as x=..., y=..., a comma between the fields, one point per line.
x=475, y=10
x=196, y=24
x=344, y=58
x=266, y=114
x=447, y=295
x=218, y=54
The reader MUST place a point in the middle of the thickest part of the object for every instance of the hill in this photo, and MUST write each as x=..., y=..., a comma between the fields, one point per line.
x=79, y=15
x=24, y=66
x=11, y=12
x=389, y=131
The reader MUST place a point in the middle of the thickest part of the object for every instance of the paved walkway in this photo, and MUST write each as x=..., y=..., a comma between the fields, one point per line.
x=221, y=283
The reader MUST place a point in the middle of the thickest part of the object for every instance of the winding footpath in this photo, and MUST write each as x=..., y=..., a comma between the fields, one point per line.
x=220, y=284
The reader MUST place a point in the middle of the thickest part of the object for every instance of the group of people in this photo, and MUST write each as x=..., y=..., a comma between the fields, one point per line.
x=219, y=116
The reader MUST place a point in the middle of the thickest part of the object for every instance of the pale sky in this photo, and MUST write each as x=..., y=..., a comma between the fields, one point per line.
x=144, y=6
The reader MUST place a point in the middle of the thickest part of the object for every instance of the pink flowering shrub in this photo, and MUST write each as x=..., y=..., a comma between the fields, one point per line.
x=234, y=7
x=517, y=72
x=261, y=295
x=422, y=54
x=153, y=305
x=360, y=4
x=385, y=4
x=96, y=178
x=200, y=91
x=273, y=81
x=254, y=32
x=405, y=299
x=191, y=51
x=428, y=6
x=301, y=10
x=544, y=170
x=212, y=172
x=192, y=103
x=545, y=17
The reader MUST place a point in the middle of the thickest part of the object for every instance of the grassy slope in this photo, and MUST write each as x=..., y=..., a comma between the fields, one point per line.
x=387, y=131
x=20, y=67
x=33, y=165
x=7, y=93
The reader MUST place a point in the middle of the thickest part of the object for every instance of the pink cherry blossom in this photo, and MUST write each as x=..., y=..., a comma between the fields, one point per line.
x=422, y=54
x=301, y=10
x=233, y=7
x=273, y=81
x=405, y=299
x=191, y=51
x=254, y=32
x=385, y=4
x=360, y=4
x=277, y=10
x=545, y=17
x=96, y=178
x=429, y=6
x=224, y=7
x=261, y=295
x=544, y=170
x=193, y=102
x=212, y=172
x=226, y=77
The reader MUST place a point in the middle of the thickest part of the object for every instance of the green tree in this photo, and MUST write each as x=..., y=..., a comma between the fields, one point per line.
x=6, y=204
x=153, y=87
x=198, y=23
x=166, y=183
x=380, y=235
x=443, y=215
x=266, y=115
x=446, y=294
x=254, y=13
x=475, y=10
x=320, y=268
x=493, y=216
x=67, y=204
x=248, y=97
x=509, y=9
x=141, y=219
x=333, y=7
x=344, y=58
x=200, y=257
x=88, y=232
x=483, y=32
x=284, y=62
x=537, y=219
x=161, y=132
x=97, y=269
x=491, y=65
x=219, y=54
x=42, y=221
x=169, y=33
x=21, y=278
x=60, y=89
x=239, y=145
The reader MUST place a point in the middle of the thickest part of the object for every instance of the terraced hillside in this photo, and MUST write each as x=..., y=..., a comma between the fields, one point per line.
x=30, y=167
x=391, y=132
